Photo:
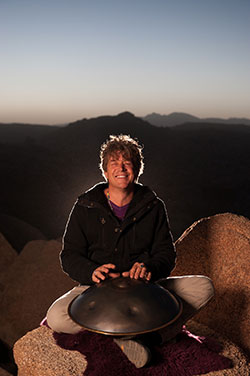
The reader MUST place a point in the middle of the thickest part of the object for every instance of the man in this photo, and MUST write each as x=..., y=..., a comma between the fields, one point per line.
x=120, y=228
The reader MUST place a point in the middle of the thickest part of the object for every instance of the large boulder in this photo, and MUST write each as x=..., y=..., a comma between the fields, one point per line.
x=219, y=247
x=3, y=372
x=34, y=281
x=7, y=257
x=36, y=354
x=17, y=232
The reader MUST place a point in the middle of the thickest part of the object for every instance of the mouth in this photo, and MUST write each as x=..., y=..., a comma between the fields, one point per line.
x=121, y=176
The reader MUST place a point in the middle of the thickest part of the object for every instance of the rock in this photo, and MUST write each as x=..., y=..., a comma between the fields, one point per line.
x=33, y=283
x=7, y=257
x=3, y=372
x=229, y=350
x=219, y=247
x=7, y=363
x=36, y=354
x=17, y=232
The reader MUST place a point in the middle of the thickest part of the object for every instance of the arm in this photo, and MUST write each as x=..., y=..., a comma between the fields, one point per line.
x=163, y=254
x=74, y=254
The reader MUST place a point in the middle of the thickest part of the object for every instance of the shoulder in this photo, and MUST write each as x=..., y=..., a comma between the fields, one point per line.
x=92, y=195
x=146, y=194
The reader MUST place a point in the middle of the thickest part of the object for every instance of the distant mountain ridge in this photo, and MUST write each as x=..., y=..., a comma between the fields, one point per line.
x=198, y=168
x=178, y=118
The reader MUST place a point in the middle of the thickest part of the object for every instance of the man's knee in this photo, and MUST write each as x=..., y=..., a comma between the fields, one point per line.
x=196, y=290
x=206, y=288
x=56, y=316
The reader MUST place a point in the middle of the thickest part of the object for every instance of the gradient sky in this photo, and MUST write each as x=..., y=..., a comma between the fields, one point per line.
x=63, y=60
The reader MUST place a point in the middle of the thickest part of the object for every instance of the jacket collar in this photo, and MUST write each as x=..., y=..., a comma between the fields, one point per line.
x=95, y=197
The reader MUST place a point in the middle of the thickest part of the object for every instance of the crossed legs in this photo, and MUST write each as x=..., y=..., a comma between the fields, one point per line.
x=194, y=292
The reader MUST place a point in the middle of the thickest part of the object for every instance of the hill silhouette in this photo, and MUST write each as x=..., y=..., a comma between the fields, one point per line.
x=18, y=132
x=178, y=118
x=198, y=169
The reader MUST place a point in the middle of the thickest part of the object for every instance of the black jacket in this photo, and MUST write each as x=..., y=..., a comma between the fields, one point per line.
x=95, y=236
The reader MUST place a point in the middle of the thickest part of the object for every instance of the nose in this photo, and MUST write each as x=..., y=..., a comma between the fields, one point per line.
x=123, y=166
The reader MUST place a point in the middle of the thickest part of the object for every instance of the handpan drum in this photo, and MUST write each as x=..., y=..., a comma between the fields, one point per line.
x=125, y=306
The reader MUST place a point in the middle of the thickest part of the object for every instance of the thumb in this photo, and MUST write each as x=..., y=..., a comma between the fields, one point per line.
x=125, y=274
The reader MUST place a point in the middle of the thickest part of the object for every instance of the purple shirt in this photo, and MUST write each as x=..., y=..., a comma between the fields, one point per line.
x=119, y=211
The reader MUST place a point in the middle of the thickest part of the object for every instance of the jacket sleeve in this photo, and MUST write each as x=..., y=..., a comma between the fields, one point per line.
x=163, y=254
x=74, y=254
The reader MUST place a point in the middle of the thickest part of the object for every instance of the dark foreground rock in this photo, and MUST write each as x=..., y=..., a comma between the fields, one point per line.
x=7, y=257
x=34, y=281
x=18, y=232
x=3, y=372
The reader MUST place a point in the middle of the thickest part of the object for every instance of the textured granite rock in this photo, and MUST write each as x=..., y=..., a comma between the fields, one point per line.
x=219, y=247
x=36, y=354
x=229, y=349
x=34, y=281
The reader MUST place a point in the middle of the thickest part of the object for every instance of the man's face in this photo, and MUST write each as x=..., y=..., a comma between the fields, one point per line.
x=120, y=172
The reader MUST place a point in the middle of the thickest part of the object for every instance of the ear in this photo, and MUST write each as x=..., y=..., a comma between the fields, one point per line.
x=106, y=175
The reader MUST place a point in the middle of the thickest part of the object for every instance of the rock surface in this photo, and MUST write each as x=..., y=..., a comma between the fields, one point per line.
x=34, y=281
x=229, y=349
x=17, y=232
x=7, y=257
x=219, y=247
x=36, y=354
x=4, y=373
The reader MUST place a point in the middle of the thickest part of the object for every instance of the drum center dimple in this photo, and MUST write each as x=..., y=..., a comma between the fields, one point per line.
x=91, y=305
x=133, y=311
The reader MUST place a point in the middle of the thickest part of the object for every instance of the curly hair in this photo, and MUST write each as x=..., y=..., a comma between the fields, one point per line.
x=128, y=147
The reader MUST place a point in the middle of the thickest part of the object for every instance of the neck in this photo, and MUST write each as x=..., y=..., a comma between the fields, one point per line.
x=120, y=197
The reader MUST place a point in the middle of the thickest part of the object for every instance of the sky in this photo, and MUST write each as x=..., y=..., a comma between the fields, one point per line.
x=64, y=60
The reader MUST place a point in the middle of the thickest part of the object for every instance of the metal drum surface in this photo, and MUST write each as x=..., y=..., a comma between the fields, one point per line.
x=124, y=306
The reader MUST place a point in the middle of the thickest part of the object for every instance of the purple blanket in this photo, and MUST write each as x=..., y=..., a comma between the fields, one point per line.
x=189, y=356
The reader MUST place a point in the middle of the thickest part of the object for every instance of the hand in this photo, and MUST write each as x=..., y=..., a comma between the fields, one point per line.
x=138, y=271
x=102, y=272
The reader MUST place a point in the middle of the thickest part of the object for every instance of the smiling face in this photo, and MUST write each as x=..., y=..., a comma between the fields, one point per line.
x=120, y=172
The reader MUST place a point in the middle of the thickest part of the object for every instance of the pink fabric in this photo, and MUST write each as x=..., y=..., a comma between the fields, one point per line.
x=189, y=356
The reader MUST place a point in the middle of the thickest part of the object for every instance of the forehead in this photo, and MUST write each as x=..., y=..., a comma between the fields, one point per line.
x=118, y=155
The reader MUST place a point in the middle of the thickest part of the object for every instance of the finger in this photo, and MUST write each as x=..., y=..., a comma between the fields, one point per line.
x=99, y=275
x=95, y=279
x=102, y=269
x=133, y=270
x=140, y=271
x=114, y=275
x=148, y=277
x=137, y=272
x=143, y=273
x=109, y=266
x=125, y=274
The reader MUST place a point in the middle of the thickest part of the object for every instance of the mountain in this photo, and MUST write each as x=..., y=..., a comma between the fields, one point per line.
x=170, y=120
x=198, y=169
x=19, y=132
x=177, y=118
